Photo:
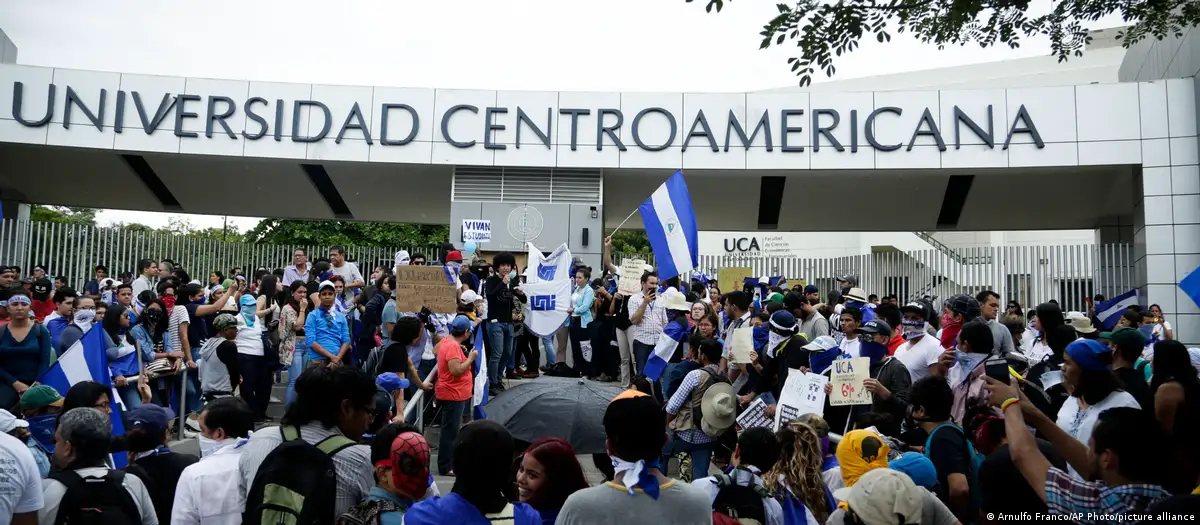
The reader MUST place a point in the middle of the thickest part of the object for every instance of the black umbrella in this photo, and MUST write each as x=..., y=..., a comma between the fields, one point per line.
x=561, y=407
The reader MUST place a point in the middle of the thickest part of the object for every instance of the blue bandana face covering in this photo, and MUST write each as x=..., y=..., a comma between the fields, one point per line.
x=875, y=351
x=636, y=475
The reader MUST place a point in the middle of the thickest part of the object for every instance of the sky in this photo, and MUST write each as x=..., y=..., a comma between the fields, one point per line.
x=556, y=45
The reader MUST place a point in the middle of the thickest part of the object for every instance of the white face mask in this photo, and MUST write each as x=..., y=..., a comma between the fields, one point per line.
x=913, y=329
x=208, y=446
x=83, y=317
x=773, y=340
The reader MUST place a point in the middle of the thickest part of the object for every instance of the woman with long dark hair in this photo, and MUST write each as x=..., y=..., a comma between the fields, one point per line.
x=123, y=360
x=292, y=347
x=267, y=310
x=547, y=475
x=1048, y=316
x=483, y=456
x=1177, y=406
x=582, y=330
x=150, y=338
x=1087, y=375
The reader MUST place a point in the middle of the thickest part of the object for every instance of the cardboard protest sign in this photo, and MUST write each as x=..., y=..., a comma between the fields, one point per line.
x=731, y=279
x=418, y=286
x=802, y=393
x=631, y=276
x=848, y=376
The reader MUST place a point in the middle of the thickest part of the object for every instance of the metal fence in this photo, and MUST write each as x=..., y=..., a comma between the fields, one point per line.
x=1027, y=274
x=72, y=251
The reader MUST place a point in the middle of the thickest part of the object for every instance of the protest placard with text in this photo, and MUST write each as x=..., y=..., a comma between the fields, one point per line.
x=418, y=286
x=847, y=376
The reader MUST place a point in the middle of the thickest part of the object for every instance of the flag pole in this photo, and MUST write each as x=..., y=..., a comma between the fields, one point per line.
x=630, y=216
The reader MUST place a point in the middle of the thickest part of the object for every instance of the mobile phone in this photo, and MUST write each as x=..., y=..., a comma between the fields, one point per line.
x=997, y=368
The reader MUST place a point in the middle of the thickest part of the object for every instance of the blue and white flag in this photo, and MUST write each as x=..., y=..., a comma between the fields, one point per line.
x=673, y=335
x=546, y=305
x=670, y=224
x=1110, y=311
x=555, y=267
x=87, y=360
x=481, y=377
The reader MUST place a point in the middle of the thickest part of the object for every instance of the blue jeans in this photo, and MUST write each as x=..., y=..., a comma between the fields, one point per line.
x=701, y=454
x=299, y=359
x=452, y=414
x=500, y=336
x=641, y=352
x=548, y=346
x=129, y=396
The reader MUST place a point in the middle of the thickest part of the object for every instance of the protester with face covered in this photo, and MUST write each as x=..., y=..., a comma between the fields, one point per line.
x=783, y=352
x=920, y=352
x=889, y=379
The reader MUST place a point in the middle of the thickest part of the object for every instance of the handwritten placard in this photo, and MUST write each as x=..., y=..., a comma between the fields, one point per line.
x=731, y=279
x=847, y=376
x=754, y=416
x=742, y=345
x=802, y=393
x=631, y=276
x=418, y=286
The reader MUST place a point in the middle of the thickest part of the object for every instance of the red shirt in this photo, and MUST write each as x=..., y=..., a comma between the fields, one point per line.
x=448, y=387
x=895, y=343
x=42, y=308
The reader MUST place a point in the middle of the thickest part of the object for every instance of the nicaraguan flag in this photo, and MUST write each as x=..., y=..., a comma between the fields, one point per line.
x=670, y=224
x=673, y=334
x=481, y=379
x=1110, y=311
x=86, y=360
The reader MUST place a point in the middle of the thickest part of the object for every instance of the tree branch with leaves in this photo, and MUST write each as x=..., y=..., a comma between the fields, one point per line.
x=826, y=30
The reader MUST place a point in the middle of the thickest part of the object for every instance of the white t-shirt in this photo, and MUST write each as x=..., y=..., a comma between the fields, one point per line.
x=249, y=338
x=852, y=347
x=918, y=355
x=1079, y=423
x=1038, y=352
x=54, y=492
x=349, y=272
x=20, y=483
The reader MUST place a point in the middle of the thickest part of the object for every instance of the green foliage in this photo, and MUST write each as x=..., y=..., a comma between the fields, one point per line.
x=63, y=215
x=824, y=30
x=289, y=231
x=631, y=242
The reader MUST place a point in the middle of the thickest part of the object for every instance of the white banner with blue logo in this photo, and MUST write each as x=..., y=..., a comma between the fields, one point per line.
x=546, y=305
x=555, y=267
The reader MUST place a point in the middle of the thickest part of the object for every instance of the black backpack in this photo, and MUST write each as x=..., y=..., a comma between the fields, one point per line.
x=744, y=504
x=99, y=501
x=296, y=483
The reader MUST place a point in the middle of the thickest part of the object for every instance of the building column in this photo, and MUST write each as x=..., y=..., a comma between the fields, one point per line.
x=1167, y=217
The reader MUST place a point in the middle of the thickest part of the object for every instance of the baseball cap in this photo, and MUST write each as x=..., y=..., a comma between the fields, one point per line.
x=326, y=284
x=1125, y=337
x=1080, y=322
x=875, y=326
x=460, y=325
x=41, y=396
x=391, y=382
x=41, y=289
x=964, y=305
x=918, y=468
x=857, y=294
x=224, y=321
x=812, y=288
x=8, y=422
x=154, y=419
x=470, y=296
x=914, y=307
x=884, y=497
x=848, y=278
x=774, y=297
x=783, y=320
x=454, y=256
x=821, y=344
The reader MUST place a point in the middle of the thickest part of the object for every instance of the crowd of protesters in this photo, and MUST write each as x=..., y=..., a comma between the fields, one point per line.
x=977, y=414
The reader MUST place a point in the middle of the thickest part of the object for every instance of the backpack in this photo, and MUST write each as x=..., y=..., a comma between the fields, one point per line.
x=100, y=501
x=697, y=414
x=975, y=462
x=296, y=483
x=367, y=512
x=743, y=504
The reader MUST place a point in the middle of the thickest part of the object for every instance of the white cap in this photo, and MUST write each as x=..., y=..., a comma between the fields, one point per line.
x=8, y=422
x=325, y=284
x=470, y=296
x=195, y=282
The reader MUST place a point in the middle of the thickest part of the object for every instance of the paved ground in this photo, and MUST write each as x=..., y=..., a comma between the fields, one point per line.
x=275, y=410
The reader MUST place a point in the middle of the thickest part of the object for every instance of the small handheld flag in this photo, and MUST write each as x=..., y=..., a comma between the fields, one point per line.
x=670, y=223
